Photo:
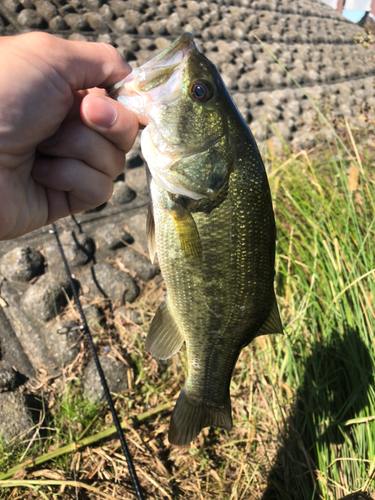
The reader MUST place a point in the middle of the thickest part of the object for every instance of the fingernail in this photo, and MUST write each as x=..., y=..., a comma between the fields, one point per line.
x=101, y=112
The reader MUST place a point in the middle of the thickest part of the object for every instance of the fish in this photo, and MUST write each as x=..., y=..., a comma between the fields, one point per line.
x=211, y=224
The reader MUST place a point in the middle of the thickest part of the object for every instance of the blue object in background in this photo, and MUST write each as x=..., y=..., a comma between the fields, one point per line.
x=353, y=15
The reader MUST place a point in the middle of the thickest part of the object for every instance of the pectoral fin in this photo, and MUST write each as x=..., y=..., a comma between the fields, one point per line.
x=164, y=337
x=187, y=231
x=273, y=322
x=150, y=231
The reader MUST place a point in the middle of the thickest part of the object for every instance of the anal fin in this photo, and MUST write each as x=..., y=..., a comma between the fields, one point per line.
x=273, y=322
x=164, y=337
x=189, y=419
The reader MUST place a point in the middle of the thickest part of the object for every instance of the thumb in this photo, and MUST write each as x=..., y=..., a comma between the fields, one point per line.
x=111, y=119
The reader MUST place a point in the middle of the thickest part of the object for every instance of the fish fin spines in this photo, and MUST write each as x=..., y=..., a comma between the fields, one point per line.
x=189, y=419
x=273, y=322
x=150, y=231
x=164, y=337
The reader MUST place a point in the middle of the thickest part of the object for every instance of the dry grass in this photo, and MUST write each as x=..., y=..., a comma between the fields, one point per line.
x=217, y=465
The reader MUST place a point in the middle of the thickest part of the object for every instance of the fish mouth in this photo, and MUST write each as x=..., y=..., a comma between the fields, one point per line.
x=159, y=79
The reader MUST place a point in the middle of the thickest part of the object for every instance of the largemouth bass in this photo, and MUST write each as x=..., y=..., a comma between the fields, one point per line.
x=211, y=224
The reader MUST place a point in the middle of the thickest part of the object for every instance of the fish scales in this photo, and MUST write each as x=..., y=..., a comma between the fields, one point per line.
x=212, y=226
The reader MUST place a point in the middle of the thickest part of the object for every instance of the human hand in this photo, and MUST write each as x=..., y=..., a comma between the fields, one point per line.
x=60, y=143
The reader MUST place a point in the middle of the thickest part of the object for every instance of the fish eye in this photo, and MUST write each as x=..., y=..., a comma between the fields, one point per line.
x=201, y=92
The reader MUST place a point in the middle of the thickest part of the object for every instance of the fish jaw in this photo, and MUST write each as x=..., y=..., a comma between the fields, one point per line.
x=157, y=81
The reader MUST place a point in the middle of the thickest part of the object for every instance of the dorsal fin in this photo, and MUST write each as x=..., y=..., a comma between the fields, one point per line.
x=164, y=337
x=273, y=322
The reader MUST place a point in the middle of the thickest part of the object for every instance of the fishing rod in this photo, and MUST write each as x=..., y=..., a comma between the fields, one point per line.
x=86, y=329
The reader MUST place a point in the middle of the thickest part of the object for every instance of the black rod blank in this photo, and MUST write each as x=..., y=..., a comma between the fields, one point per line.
x=120, y=433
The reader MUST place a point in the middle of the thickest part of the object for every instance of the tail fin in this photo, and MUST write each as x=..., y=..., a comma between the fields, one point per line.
x=188, y=419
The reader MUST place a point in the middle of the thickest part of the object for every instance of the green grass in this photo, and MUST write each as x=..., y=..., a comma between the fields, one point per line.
x=325, y=280
x=303, y=402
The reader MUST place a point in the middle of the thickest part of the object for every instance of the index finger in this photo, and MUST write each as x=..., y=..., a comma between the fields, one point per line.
x=82, y=64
